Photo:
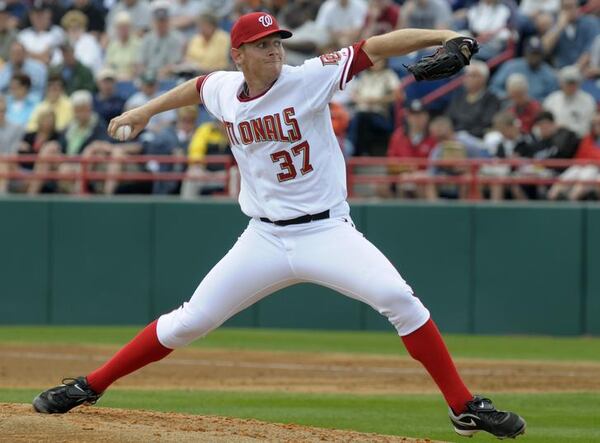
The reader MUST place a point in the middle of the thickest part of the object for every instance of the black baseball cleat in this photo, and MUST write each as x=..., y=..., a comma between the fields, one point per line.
x=60, y=399
x=481, y=415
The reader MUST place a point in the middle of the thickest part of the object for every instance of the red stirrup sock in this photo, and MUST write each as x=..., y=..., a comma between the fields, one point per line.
x=427, y=346
x=142, y=350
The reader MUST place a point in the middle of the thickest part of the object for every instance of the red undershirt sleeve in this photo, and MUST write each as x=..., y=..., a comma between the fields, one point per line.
x=199, y=82
x=360, y=62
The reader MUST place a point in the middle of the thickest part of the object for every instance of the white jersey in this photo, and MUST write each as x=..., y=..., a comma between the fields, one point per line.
x=289, y=159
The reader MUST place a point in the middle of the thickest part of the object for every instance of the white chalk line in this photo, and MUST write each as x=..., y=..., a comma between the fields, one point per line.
x=311, y=367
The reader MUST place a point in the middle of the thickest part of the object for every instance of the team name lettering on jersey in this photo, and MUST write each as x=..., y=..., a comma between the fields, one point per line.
x=279, y=127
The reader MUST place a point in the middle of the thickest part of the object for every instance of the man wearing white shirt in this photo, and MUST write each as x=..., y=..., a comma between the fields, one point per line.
x=343, y=19
x=572, y=108
x=42, y=39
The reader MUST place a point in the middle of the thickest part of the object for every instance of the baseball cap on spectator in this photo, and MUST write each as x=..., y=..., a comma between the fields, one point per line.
x=160, y=10
x=570, y=74
x=39, y=5
x=106, y=74
x=416, y=106
x=534, y=46
x=148, y=78
x=254, y=26
x=122, y=18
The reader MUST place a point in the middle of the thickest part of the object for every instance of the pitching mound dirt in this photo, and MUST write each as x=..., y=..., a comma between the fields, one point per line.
x=19, y=423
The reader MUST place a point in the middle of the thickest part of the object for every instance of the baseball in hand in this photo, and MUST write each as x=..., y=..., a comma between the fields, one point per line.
x=123, y=133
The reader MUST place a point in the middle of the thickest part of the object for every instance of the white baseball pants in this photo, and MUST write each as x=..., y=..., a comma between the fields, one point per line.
x=267, y=258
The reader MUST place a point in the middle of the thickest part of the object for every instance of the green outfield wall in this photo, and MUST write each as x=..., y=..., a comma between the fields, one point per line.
x=480, y=268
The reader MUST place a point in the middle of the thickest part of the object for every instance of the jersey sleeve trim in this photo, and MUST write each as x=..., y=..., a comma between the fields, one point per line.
x=344, y=79
x=200, y=85
x=361, y=60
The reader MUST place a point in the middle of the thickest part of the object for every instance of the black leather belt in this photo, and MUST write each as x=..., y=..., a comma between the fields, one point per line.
x=298, y=220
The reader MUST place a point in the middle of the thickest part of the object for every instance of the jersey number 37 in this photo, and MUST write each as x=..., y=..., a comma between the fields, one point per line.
x=286, y=161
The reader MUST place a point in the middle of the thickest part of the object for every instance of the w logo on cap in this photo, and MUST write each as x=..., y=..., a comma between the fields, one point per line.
x=254, y=26
x=265, y=20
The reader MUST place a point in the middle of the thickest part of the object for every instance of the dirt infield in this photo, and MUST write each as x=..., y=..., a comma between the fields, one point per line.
x=18, y=423
x=194, y=368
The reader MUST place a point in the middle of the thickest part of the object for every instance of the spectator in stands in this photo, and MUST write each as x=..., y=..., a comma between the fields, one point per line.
x=589, y=149
x=473, y=108
x=382, y=16
x=591, y=65
x=148, y=85
x=208, y=50
x=10, y=138
x=541, y=77
x=56, y=7
x=426, y=14
x=96, y=23
x=531, y=8
x=209, y=139
x=308, y=38
x=76, y=76
x=547, y=141
x=162, y=48
x=519, y=103
x=85, y=128
x=224, y=9
x=18, y=12
x=42, y=39
x=115, y=153
x=570, y=38
x=373, y=92
x=7, y=33
x=489, y=21
x=501, y=142
x=173, y=140
x=83, y=133
x=57, y=101
x=571, y=107
x=87, y=49
x=451, y=145
x=19, y=62
x=343, y=20
x=411, y=140
x=107, y=102
x=20, y=103
x=183, y=15
x=123, y=49
x=138, y=9
x=33, y=144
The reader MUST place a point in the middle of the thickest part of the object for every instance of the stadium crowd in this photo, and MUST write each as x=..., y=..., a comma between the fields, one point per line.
x=68, y=66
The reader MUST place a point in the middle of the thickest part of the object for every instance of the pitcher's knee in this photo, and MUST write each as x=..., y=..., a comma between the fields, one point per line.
x=182, y=326
x=403, y=310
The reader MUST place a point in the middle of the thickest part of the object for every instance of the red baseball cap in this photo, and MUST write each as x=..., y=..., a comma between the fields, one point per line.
x=254, y=26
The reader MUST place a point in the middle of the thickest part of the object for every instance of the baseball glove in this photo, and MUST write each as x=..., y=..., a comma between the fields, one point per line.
x=446, y=61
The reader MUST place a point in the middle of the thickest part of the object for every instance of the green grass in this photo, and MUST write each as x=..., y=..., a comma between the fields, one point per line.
x=496, y=347
x=551, y=418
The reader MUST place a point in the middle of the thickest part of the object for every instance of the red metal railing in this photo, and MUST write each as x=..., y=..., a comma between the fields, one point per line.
x=359, y=171
x=471, y=176
x=85, y=173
